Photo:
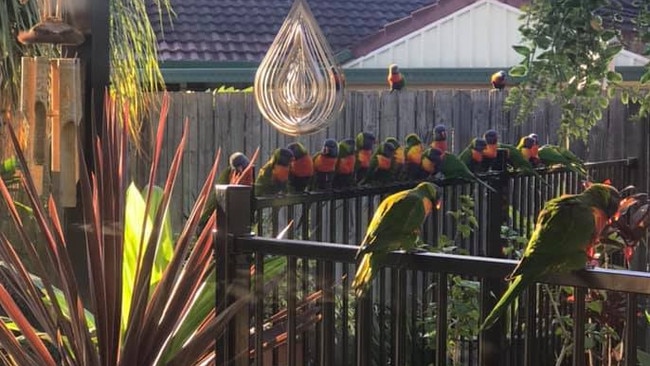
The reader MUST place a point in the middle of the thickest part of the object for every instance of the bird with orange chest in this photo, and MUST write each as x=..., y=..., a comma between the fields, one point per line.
x=498, y=80
x=365, y=143
x=301, y=170
x=273, y=177
x=325, y=165
x=345, y=164
x=440, y=138
x=413, y=156
x=395, y=78
x=525, y=146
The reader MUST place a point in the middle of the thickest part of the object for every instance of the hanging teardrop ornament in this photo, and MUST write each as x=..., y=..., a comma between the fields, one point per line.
x=299, y=87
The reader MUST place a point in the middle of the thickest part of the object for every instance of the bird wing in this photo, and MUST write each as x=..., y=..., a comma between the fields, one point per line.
x=396, y=221
x=563, y=231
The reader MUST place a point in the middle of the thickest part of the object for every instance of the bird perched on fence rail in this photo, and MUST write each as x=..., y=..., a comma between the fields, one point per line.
x=440, y=138
x=396, y=80
x=274, y=175
x=301, y=170
x=566, y=228
x=498, y=80
x=395, y=225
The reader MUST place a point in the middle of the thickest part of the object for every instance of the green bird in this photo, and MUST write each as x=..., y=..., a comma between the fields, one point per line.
x=398, y=158
x=413, y=156
x=395, y=225
x=553, y=155
x=237, y=163
x=345, y=162
x=274, y=175
x=566, y=228
x=381, y=165
x=472, y=154
x=365, y=142
x=8, y=169
x=518, y=162
x=453, y=168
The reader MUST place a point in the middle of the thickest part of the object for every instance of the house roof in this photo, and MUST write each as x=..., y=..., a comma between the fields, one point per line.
x=242, y=30
x=620, y=11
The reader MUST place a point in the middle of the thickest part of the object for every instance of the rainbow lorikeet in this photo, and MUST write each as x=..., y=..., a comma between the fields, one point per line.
x=517, y=161
x=535, y=149
x=398, y=158
x=566, y=228
x=237, y=164
x=274, y=175
x=301, y=169
x=472, y=155
x=395, y=225
x=365, y=143
x=345, y=162
x=413, y=156
x=498, y=80
x=325, y=165
x=431, y=163
x=526, y=146
x=453, y=168
x=396, y=80
x=440, y=138
x=381, y=165
x=552, y=155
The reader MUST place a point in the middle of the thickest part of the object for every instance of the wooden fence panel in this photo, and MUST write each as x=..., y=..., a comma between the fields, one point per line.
x=232, y=122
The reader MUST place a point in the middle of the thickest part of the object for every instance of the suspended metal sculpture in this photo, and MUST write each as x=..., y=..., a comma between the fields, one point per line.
x=51, y=29
x=299, y=86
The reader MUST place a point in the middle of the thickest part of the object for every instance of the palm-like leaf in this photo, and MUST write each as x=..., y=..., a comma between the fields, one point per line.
x=49, y=314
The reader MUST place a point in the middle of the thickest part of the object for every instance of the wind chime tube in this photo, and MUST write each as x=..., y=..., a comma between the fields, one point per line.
x=299, y=87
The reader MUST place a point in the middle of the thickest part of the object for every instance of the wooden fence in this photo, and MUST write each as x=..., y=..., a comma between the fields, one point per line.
x=232, y=122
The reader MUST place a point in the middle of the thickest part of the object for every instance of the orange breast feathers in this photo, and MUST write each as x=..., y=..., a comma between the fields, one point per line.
x=399, y=156
x=280, y=173
x=395, y=78
x=490, y=151
x=324, y=164
x=364, y=158
x=477, y=156
x=526, y=153
x=345, y=166
x=303, y=167
x=414, y=155
x=383, y=162
x=440, y=145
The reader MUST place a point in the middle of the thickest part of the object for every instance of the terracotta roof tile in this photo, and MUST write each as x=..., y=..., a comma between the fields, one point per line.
x=242, y=30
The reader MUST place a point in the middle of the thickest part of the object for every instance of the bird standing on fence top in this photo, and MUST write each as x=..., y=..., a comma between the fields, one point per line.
x=453, y=168
x=381, y=165
x=301, y=170
x=566, y=229
x=472, y=155
x=345, y=162
x=498, y=80
x=396, y=80
x=395, y=225
x=413, y=156
x=430, y=164
x=398, y=158
x=274, y=175
x=550, y=155
x=365, y=143
x=440, y=138
x=325, y=165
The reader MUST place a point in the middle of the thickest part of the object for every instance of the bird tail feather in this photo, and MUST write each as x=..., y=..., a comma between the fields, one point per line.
x=514, y=289
x=363, y=276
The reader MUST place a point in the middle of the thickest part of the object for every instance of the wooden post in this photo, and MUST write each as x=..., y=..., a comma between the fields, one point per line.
x=233, y=270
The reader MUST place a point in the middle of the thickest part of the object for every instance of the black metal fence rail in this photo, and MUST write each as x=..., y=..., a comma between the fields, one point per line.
x=401, y=342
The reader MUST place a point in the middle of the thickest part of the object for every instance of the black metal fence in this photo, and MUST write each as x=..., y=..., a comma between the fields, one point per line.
x=424, y=308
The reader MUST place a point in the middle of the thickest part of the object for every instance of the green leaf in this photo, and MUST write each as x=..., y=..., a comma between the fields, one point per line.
x=518, y=71
x=645, y=77
x=625, y=97
x=614, y=77
x=522, y=50
x=603, y=102
x=595, y=306
x=134, y=226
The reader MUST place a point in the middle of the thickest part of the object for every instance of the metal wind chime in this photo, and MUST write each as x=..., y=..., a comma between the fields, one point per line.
x=299, y=87
x=51, y=102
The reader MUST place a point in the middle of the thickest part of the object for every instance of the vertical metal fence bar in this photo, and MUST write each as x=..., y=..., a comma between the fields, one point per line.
x=328, y=315
x=441, y=323
x=399, y=311
x=259, y=309
x=345, y=288
x=630, y=330
x=579, y=317
x=531, y=340
x=381, y=284
x=291, y=311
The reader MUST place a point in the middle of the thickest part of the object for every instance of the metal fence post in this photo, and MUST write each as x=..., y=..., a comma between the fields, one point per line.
x=233, y=271
x=492, y=341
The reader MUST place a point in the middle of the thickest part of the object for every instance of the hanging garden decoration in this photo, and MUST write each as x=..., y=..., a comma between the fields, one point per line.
x=299, y=86
x=51, y=29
